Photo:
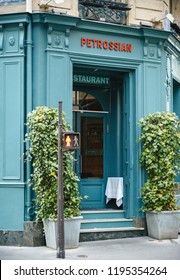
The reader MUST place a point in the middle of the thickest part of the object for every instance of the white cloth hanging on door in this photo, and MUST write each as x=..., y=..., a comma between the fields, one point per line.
x=114, y=189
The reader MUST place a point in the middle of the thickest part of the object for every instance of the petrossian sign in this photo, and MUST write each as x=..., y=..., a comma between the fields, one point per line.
x=87, y=79
x=106, y=45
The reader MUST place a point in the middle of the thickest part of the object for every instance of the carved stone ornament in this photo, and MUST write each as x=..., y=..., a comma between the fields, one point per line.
x=152, y=51
x=11, y=41
x=57, y=40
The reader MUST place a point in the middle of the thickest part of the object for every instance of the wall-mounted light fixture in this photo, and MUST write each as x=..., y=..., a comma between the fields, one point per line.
x=154, y=21
x=168, y=16
x=170, y=24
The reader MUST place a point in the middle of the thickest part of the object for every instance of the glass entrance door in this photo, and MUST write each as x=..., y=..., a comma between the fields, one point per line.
x=91, y=121
x=91, y=159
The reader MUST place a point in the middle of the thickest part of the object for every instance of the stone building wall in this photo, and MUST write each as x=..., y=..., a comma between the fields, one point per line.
x=69, y=6
x=12, y=6
x=150, y=12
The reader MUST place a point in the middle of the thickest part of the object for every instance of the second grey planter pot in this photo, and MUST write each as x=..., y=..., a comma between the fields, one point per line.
x=71, y=232
x=163, y=225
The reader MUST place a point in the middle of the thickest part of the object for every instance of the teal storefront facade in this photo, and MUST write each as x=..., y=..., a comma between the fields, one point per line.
x=107, y=76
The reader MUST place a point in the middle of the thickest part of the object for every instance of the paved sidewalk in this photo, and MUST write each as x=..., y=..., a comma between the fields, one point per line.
x=138, y=248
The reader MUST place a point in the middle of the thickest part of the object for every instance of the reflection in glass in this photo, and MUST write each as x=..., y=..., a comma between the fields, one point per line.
x=92, y=147
x=85, y=101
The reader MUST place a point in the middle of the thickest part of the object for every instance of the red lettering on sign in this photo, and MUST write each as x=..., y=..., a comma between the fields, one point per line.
x=123, y=47
x=129, y=48
x=94, y=43
x=99, y=44
x=89, y=43
x=83, y=41
x=111, y=46
x=106, y=45
x=116, y=46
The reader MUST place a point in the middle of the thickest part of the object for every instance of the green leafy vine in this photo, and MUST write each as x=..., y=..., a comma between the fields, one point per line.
x=43, y=153
x=160, y=156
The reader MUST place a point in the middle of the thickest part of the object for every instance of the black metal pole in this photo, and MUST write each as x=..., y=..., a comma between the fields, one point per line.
x=60, y=221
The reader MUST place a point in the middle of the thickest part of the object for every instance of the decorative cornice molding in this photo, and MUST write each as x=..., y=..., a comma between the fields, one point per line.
x=67, y=38
x=59, y=20
x=21, y=37
x=156, y=34
x=173, y=46
x=159, y=50
x=1, y=39
x=146, y=47
x=49, y=36
x=14, y=18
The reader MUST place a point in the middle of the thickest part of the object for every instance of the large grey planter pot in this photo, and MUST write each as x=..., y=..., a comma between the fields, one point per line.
x=71, y=232
x=163, y=225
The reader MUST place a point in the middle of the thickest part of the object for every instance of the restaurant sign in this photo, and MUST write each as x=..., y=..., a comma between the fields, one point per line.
x=93, y=80
x=106, y=45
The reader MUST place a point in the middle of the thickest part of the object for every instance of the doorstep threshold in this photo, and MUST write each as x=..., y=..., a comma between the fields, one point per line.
x=111, y=229
x=101, y=211
x=110, y=220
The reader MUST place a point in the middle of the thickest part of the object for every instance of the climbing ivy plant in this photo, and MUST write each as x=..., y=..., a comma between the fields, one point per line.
x=160, y=137
x=43, y=152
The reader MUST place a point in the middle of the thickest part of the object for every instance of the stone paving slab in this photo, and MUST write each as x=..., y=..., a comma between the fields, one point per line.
x=137, y=248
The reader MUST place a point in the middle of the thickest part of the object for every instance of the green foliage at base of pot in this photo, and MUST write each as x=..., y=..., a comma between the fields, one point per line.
x=160, y=156
x=43, y=152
